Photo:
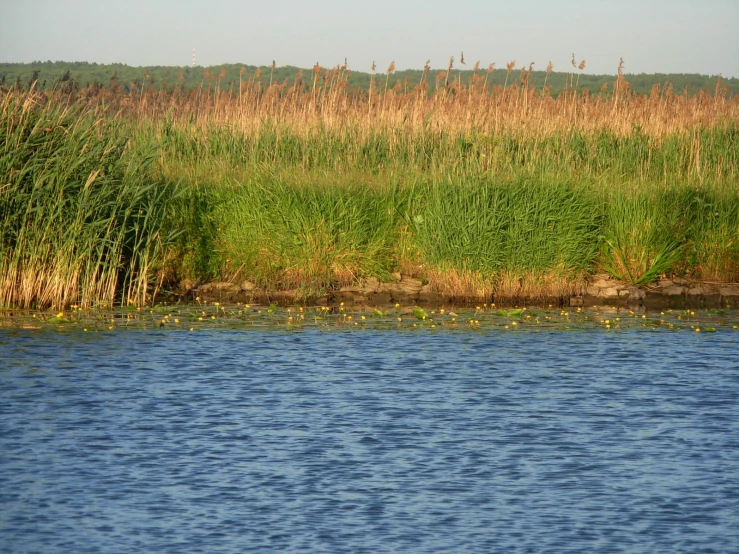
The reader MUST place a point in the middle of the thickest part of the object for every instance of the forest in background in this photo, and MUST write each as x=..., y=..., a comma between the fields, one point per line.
x=227, y=76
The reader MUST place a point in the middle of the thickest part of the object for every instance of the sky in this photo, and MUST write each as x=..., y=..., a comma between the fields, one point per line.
x=652, y=36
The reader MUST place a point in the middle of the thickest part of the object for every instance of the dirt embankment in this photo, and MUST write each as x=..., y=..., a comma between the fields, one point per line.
x=599, y=290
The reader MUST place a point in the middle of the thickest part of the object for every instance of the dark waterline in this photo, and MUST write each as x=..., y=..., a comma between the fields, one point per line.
x=367, y=441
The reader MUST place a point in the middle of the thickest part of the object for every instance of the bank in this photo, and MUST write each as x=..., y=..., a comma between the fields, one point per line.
x=596, y=290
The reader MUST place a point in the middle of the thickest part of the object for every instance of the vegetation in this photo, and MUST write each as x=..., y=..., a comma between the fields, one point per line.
x=82, y=218
x=111, y=192
x=227, y=76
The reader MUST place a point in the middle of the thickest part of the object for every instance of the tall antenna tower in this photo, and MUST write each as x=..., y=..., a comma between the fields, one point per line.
x=193, y=58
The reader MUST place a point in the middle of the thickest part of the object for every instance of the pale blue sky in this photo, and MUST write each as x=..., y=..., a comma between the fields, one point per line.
x=652, y=36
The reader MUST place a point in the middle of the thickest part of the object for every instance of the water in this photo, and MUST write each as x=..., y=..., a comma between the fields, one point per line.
x=238, y=440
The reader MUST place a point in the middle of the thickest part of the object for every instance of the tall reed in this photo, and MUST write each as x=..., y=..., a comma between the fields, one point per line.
x=109, y=192
x=81, y=219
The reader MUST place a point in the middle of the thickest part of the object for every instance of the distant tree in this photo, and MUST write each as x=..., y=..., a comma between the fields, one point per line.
x=34, y=79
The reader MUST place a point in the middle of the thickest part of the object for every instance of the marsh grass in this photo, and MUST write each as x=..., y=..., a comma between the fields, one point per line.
x=308, y=236
x=640, y=241
x=511, y=232
x=683, y=230
x=711, y=251
x=80, y=220
x=106, y=195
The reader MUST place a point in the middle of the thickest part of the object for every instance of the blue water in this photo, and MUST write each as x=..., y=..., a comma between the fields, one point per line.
x=369, y=441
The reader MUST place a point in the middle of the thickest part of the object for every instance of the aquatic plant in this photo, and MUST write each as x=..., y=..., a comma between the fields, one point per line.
x=109, y=193
x=82, y=220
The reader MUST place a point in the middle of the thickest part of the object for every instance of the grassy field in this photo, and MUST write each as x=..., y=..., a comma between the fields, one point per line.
x=107, y=196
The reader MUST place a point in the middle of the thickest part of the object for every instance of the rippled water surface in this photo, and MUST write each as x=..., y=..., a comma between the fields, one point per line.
x=350, y=440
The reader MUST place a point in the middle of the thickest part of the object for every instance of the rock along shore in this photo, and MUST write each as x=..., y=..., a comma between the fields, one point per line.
x=599, y=290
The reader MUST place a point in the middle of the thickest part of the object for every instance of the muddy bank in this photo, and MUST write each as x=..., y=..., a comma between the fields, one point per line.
x=599, y=290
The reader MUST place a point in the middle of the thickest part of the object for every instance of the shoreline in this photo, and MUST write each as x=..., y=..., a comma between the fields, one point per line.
x=510, y=210
x=601, y=290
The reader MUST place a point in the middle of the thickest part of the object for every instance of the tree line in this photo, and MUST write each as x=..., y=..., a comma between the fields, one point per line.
x=47, y=74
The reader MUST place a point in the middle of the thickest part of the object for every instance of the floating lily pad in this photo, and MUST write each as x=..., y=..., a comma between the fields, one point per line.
x=420, y=313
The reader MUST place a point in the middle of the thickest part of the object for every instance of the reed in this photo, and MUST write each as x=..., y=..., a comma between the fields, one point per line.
x=109, y=193
x=81, y=221
x=310, y=236
x=512, y=233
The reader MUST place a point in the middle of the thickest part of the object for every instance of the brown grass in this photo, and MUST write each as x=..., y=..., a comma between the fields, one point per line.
x=327, y=101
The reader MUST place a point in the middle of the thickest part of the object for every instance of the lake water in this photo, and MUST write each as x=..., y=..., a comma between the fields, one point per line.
x=369, y=440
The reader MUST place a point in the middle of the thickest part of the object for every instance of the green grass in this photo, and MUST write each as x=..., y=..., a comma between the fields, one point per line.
x=708, y=156
x=522, y=227
x=82, y=220
x=97, y=209
x=310, y=236
x=680, y=230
